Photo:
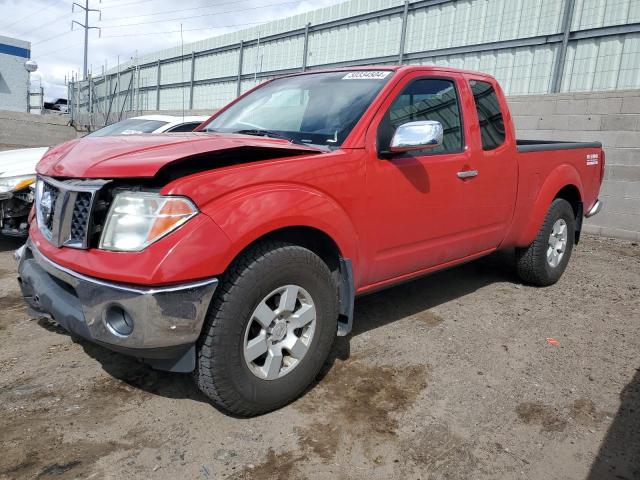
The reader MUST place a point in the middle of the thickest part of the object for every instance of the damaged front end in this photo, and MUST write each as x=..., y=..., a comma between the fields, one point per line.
x=14, y=211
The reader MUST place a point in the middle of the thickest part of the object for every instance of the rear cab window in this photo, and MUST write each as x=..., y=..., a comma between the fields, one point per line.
x=489, y=114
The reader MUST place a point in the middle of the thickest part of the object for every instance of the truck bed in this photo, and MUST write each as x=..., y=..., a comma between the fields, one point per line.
x=545, y=145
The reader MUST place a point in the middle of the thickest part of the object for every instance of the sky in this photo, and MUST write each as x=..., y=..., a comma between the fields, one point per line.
x=126, y=26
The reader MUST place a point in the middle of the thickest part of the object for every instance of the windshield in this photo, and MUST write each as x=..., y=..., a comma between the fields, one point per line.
x=319, y=108
x=132, y=126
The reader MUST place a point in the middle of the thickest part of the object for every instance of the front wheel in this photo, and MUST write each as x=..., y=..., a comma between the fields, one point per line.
x=543, y=262
x=269, y=329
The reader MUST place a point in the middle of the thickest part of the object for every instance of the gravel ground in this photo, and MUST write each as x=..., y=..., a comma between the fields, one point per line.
x=463, y=374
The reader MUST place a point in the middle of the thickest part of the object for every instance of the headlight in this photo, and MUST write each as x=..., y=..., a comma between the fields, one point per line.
x=136, y=220
x=11, y=184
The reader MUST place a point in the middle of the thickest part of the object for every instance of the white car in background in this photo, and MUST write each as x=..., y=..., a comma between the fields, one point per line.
x=18, y=167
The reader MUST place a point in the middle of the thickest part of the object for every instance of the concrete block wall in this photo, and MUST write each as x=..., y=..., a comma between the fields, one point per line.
x=612, y=118
x=23, y=130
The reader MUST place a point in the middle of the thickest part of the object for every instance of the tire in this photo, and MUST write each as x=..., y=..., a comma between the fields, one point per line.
x=222, y=372
x=533, y=264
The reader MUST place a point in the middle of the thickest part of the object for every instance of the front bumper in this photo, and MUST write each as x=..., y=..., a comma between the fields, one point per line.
x=166, y=321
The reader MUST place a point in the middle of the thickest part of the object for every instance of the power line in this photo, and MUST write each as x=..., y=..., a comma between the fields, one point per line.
x=188, y=30
x=48, y=22
x=215, y=27
x=167, y=20
x=126, y=4
x=199, y=16
x=163, y=32
x=46, y=7
x=160, y=21
x=51, y=38
x=173, y=11
x=51, y=52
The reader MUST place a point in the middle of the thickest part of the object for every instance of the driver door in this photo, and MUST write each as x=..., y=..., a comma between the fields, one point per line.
x=417, y=202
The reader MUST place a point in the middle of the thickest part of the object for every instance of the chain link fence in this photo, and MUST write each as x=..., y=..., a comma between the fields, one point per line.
x=530, y=47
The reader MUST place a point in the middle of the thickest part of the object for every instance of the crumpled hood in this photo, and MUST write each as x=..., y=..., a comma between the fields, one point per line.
x=143, y=155
x=15, y=163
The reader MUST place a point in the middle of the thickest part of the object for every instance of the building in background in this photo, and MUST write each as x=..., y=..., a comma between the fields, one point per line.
x=14, y=77
x=530, y=46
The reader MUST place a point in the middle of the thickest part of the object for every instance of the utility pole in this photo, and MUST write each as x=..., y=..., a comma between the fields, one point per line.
x=86, y=27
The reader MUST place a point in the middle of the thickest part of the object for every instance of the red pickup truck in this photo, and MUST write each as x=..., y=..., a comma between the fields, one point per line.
x=236, y=252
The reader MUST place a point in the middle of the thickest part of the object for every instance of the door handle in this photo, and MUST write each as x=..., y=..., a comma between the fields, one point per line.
x=468, y=174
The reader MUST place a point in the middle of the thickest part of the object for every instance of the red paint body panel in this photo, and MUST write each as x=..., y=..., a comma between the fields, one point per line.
x=132, y=156
x=323, y=191
x=175, y=258
x=442, y=218
x=394, y=218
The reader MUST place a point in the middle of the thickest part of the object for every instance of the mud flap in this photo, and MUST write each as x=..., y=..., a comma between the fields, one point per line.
x=579, y=218
x=347, y=295
x=185, y=363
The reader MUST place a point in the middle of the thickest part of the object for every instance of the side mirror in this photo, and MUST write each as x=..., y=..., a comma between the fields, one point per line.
x=417, y=136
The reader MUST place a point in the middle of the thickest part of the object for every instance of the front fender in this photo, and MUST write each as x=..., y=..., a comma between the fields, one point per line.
x=247, y=215
x=194, y=251
x=562, y=176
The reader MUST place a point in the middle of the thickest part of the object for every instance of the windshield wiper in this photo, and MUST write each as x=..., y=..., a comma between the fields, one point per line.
x=268, y=133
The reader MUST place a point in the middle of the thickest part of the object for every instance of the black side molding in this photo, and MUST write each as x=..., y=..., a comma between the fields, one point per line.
x=546, y=145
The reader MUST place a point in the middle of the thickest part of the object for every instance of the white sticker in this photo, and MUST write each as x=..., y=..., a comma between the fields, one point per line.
x=593, y=158
x=368, y=75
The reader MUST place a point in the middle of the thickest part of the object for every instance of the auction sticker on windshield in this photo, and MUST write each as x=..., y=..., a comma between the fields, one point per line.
x=366, y=75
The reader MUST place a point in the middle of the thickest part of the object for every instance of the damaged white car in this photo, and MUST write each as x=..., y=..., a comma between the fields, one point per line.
x=17, y=179
x=18, y=167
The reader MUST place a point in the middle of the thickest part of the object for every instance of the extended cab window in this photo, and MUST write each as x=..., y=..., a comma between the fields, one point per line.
x=489, y=114
x=425, y=99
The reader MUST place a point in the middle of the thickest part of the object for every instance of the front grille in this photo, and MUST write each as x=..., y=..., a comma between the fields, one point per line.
x=64, y=210
x=80, y=217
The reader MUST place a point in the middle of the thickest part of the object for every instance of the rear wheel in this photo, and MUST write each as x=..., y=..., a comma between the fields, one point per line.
x=269, y=329
x=544, y=261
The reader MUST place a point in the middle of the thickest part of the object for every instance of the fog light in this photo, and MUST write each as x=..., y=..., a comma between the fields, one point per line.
x=119, y=321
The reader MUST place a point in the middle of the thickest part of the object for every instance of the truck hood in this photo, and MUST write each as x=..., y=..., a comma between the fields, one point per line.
x=14, y=163
x=144, y=155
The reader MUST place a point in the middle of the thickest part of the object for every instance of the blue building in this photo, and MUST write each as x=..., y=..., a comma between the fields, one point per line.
x=13, y=75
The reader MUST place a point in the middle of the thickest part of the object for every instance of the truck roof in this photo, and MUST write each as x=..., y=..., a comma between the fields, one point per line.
x=395, y=68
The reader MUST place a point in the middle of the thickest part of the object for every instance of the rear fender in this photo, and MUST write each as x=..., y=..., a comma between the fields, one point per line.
x=560, y=177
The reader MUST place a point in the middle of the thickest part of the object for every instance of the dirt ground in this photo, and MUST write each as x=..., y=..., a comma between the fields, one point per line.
x=453, y=376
